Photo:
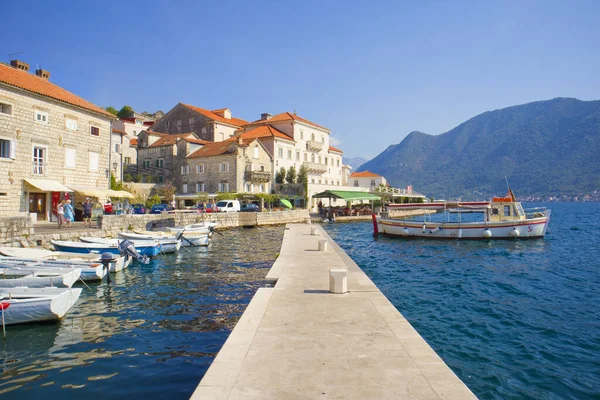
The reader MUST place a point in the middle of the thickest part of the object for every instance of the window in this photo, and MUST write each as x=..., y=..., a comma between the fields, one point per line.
x=312, y=157
x=200, y=168
x=5, y=108
x=8, y=148
x=323, y=139
x=134, y=133
x=222, y=136
x=94, y=161
x=297, y=155
x=147, y=163
x=224, y=167
x=256, y=152
x=302, y=135
x=224, y=187
x=178, y=123
x=39, y=160
x=289, y=154
x=185, y=169
x=160, y=179
x=191, y=120
x=356, y=183
x=372, y=182
x=305, y=156
x=160, y=162
x=200, y=187
x=184, y=188
x=248, y=188
x=338, y=162
x=71, y=124
x=41, y=117
x=320, y=160
x=326, y=160
x=94, y=130
x=127, y=160
x=262, y=188
x=204, y=131
x=280, y=152
x=70, y=158
x=167, y=124
x=506, y=211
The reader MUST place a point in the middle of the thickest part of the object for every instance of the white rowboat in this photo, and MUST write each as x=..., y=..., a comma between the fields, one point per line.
x=43, y=277
x=23, y=305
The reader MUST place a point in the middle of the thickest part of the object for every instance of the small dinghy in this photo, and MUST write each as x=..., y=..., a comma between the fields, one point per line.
x=89, y=271
x=148, y=250
x=36, y=278
x=62, y=257
x=25, y=305
x=166, y=245
x=192, y=239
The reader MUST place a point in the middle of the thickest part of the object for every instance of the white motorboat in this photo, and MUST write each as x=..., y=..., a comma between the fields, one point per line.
x=63, y=257
x=199, y=228
x=503, y=218
x=166, y=245
x=23, y=305
x=148, y=249
x=191, y=239
x=43, y=277
x=89, y=271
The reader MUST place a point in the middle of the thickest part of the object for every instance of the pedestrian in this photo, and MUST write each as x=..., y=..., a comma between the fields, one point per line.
x=87, y=213
x=320, y=205
x=69, y=214
x=60, y=213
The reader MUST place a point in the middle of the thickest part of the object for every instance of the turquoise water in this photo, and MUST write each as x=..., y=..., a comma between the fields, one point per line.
x=513, y=319
x=152, y=334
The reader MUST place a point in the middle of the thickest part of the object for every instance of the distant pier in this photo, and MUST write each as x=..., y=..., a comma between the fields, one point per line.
x=298, y=340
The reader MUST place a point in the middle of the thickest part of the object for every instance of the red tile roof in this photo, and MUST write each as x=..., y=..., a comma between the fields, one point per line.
x=263, y=132
x=364, y=174
x=285, y=116
x=331, y=148
x=115, y=130
x=168, y=140
x=32, y=83
x=215, y=148
x=133, y=142
x=215, y=117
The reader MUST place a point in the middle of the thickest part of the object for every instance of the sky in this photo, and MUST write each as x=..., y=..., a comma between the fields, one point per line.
x=371, y=72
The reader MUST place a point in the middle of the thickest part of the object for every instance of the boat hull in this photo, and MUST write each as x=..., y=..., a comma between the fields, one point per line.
x=92, y=271
x=26, y=305
x=186, y=239
x=524, y=229
x=85, y=248
x=166, y=245
x=43, y=277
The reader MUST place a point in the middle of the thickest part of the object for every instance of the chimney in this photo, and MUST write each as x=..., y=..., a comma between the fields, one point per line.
x=19, y=65
x=265, y=116
x=240, y=140
x=42, y=73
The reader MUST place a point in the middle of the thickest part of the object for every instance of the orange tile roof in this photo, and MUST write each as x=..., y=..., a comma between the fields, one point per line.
x=215, y=148
x=168, y=140
x=118, y=131
x=331, y=148
x=263, y=132
x=215, y=117
x=364, y=174
x=32, y=83
x=285, y=116
x=133, y=142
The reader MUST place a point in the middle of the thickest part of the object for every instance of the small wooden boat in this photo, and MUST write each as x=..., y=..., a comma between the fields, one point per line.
x=148, y=250
x=62, y=257
x=503, y=218
x=43, y=277
x=192, y=239
x=89, y=271
x=25, y=305
x=166, y=245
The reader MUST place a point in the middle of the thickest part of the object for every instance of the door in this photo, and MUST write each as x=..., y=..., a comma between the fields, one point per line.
x=37, y=205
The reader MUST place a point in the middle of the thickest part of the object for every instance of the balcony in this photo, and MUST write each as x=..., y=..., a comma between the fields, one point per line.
x=314, y=145
x=258, y=176
x=315, y=168
x=39, y=168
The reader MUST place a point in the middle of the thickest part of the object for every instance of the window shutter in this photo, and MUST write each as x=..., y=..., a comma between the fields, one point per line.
x=13, y=149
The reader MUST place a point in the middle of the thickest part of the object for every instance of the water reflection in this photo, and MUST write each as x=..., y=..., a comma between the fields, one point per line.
x=167, y=319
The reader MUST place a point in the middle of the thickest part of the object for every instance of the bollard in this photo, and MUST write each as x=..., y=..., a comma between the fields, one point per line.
x=322, y=244
x=314, y=231
x=338, y=281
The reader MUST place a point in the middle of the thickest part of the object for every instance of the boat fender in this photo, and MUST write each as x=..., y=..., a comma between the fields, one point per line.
x=424, y=228
x=405, y=231
x=487, y=233
x=459, y=234
x=515, y=233
x=435, y=230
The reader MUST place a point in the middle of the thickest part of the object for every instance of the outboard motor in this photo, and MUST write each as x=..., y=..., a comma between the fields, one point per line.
x=106, y=259
x=127, y=249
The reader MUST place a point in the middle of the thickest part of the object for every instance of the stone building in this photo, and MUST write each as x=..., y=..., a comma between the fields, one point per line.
x=51, y=141
x=125, y=132
x=366, y=179
x=234, y=165
x=213, y=126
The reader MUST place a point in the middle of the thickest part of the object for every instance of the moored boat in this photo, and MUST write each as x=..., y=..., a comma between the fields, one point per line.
x=62, y=257
x=24, y=305
x=148, y=250
x=187, y=239
x=503, y=218
x=42, y=277
x=89, y=271
x=166, y=245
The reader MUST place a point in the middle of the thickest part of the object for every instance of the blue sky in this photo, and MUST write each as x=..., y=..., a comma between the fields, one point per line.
x=370, y=71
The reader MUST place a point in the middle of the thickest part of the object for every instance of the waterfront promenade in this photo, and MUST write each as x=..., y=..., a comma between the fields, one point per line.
x=298, y=341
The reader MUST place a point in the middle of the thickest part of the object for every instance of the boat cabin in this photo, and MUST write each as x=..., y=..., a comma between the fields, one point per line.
x=505, y=209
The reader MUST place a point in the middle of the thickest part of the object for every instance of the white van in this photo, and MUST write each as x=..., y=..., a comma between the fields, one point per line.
x=228, y=206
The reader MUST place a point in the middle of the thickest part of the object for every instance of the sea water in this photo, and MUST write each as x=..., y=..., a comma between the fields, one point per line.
x=151, y=334
x=514, y=319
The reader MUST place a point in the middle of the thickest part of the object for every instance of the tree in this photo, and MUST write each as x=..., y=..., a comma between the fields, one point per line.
x=280, y=176
x=152, y=201
x=167, y=191
x=291, y=175
x=112, y=110
x=114, y=185
x=125, y=112
x=302, y=175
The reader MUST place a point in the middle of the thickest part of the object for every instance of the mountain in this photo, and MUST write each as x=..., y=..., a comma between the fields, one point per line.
x=544, y=147
x=354, y=162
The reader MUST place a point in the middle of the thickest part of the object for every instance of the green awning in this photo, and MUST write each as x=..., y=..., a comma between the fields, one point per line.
x=345, y=195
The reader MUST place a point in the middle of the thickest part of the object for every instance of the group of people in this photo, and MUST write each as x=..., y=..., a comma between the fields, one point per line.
x=66, y=213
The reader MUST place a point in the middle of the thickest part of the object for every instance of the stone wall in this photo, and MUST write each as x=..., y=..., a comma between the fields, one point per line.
x=15, y=229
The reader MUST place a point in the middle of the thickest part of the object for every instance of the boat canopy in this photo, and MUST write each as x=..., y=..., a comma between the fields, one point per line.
x=345, y=195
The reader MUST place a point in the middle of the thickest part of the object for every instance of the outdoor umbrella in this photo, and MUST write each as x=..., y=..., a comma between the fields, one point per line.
x=286, y=203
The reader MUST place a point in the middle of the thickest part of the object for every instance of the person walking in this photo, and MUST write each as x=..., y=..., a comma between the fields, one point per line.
x=60, y=213
x=87, y=213
x=69, y=214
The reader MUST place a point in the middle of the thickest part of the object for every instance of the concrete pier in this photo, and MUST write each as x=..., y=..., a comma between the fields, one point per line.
x=299, y=341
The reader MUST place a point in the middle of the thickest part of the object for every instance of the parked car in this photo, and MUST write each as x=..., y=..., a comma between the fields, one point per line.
x=158, y=208
x=209, y=208
x=138, y=209
x=228, y=205
x=250, y=207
